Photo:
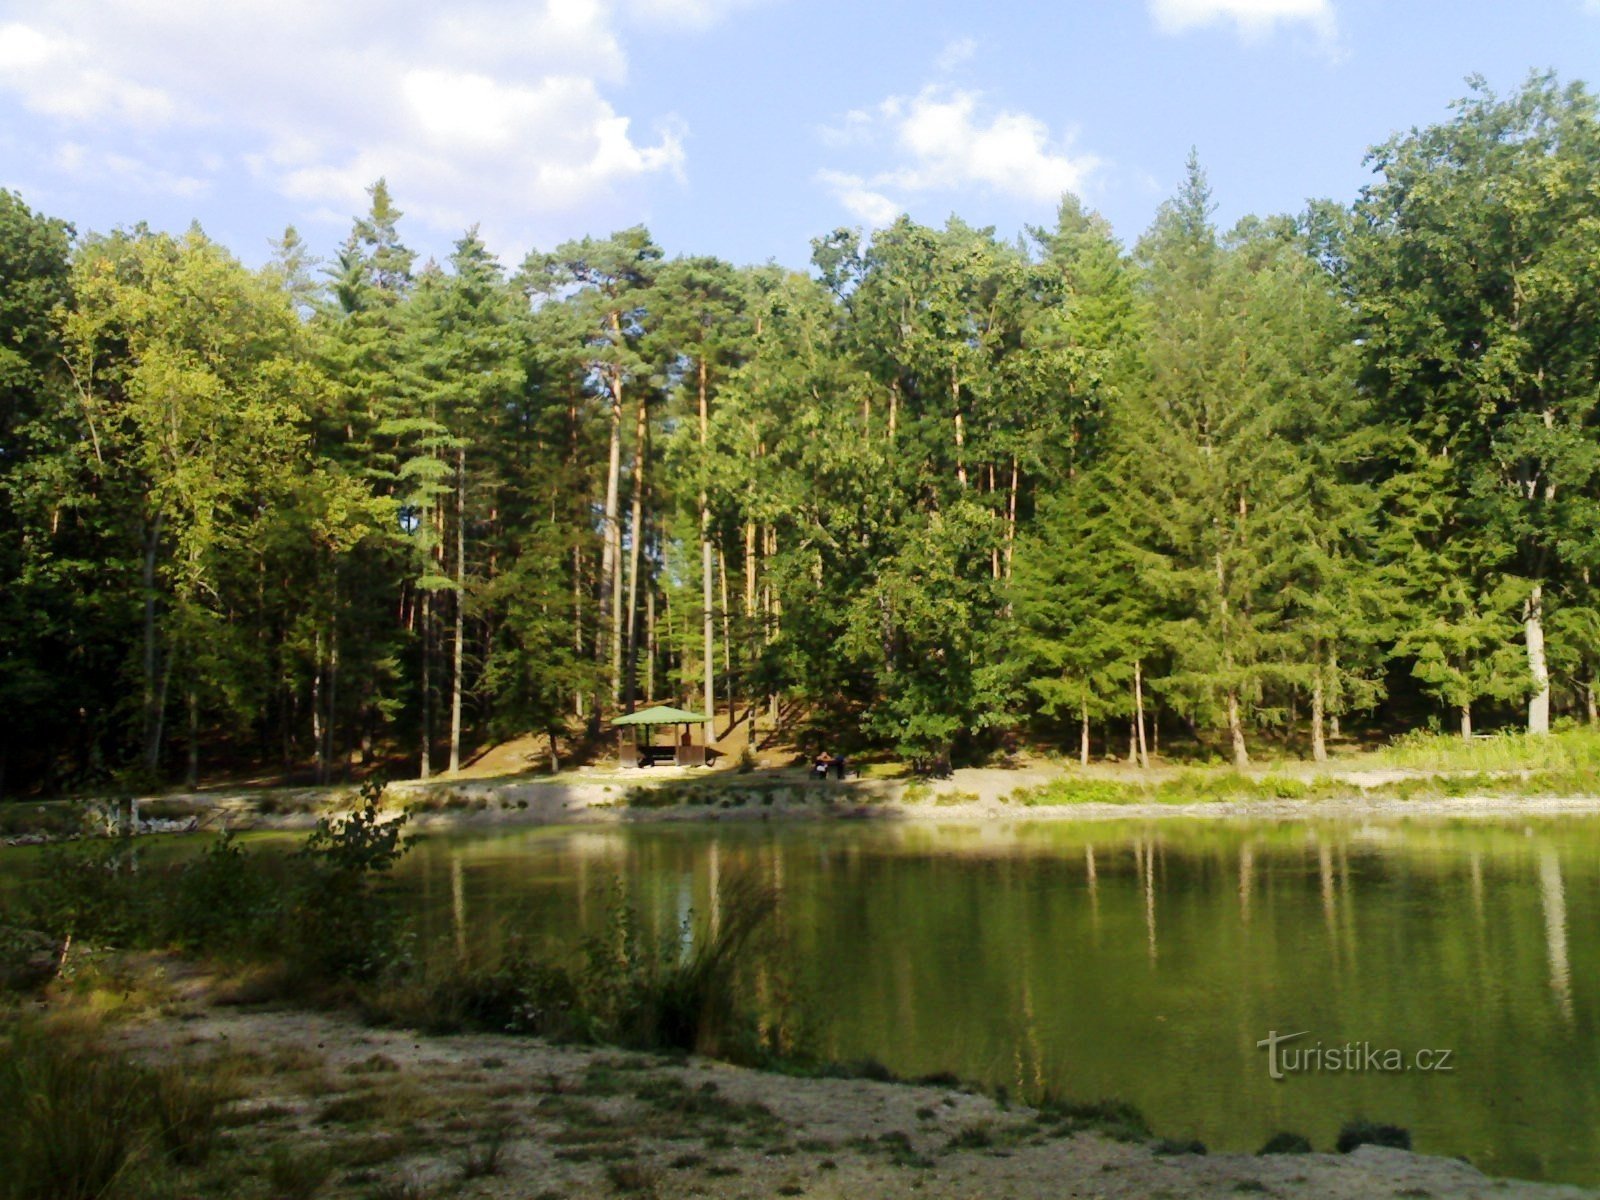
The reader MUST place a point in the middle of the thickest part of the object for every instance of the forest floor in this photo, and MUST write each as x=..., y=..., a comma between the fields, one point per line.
x=320, y=1104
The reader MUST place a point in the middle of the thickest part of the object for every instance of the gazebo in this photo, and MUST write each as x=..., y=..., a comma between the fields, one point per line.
x=630, y=753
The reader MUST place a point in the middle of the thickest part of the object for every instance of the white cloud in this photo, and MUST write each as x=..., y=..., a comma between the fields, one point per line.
x=1252, y=17
x=103, y=168
x=59, y=77
x=960, y=51
x=861, y=202
x=694, y=14
x=946, y=140
x=478, y=110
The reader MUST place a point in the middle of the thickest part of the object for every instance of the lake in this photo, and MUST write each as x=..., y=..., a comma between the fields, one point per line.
x=1147, y=960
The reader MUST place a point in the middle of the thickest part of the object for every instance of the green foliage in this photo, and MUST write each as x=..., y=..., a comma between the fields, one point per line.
x=324, y=911
x=1248, y=479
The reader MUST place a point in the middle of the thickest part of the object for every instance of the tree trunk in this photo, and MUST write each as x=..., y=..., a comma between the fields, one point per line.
x=1466, y=722
x=425, y=768
x=192, y=775
x=316, y=709
x=610, y=578
x=641, y=425
x=1533, y=627
x=650, y=645
x=1083, y=736
x=1590, y=706
x=1011, y=519
x=330, y=725
x=1241, y=756
x=152, y=717
x=707, y=581
x=1319, y=744
x=555, y=758
x=1138, y=710
x=460, y=610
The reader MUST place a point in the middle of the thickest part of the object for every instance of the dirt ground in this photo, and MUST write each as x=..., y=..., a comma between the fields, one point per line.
x=393, y=1113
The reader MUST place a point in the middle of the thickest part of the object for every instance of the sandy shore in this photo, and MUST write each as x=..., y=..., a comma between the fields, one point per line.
x=387, y=1109
x=669, y=794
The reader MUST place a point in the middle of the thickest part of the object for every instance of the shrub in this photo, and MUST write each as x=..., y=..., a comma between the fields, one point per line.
x=1361, y=1132
x=1116, y=1119
x=1286, y=1143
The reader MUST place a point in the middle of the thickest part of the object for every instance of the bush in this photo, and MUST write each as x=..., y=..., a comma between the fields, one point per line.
x=1362, y=1132
x=346, y=924
x=1116, y=1119
x=323, y=911
x=1286, y=1143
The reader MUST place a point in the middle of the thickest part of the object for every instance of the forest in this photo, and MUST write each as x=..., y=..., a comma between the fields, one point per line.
x=938, y=496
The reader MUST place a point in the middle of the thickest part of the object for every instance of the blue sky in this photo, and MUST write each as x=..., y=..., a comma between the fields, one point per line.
x=741, y=128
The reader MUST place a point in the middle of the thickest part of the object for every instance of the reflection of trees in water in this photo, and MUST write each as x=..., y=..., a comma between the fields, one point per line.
x=1554, y=898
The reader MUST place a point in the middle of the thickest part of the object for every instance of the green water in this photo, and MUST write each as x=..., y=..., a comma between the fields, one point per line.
x=1146, y=960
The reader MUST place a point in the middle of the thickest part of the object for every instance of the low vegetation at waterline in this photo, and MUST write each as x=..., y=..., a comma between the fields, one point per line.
x=323, y=924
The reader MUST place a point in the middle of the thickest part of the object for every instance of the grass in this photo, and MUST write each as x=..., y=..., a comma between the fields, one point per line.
x=82, y=1123
x=1563, y=750
x=296, y=1173
x=1115, y=1119
x=1187, y=787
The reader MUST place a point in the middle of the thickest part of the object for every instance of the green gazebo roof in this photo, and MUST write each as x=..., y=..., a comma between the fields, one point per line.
x=662, y=714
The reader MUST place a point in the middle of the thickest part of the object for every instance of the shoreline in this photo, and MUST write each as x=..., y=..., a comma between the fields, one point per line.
x=578, y=1121
x=975, y=796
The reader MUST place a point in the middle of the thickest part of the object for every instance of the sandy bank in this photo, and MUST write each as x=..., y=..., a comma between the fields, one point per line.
x=976, y=795
x=393, y=1108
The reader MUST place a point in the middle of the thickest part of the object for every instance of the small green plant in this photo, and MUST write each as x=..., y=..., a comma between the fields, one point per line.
x=973, y=1137
x=1286, y=1143
x=1174, y=1146
x=483, y=1158
x=1362, y=1132
x=633, y=1177
x=295, y=1173
x=1116, y=1119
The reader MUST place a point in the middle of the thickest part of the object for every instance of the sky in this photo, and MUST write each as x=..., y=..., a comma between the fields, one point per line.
x=739, y=128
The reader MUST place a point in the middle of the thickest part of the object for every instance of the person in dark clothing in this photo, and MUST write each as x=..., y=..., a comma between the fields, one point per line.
x=838, y=765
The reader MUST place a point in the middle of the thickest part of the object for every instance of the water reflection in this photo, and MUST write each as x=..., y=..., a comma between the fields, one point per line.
x=1142, y=959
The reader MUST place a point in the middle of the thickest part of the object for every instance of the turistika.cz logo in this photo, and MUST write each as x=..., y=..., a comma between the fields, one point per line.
x=1314, y=1058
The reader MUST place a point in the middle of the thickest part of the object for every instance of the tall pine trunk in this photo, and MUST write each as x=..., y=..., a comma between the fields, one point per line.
x=641, y=426
x=425, y=767
x=152, y=700
x=705, y=563
x=1083, y=735
x=1466, y=722
x=611, y=553
x=1138, y=710
x=460, y=610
